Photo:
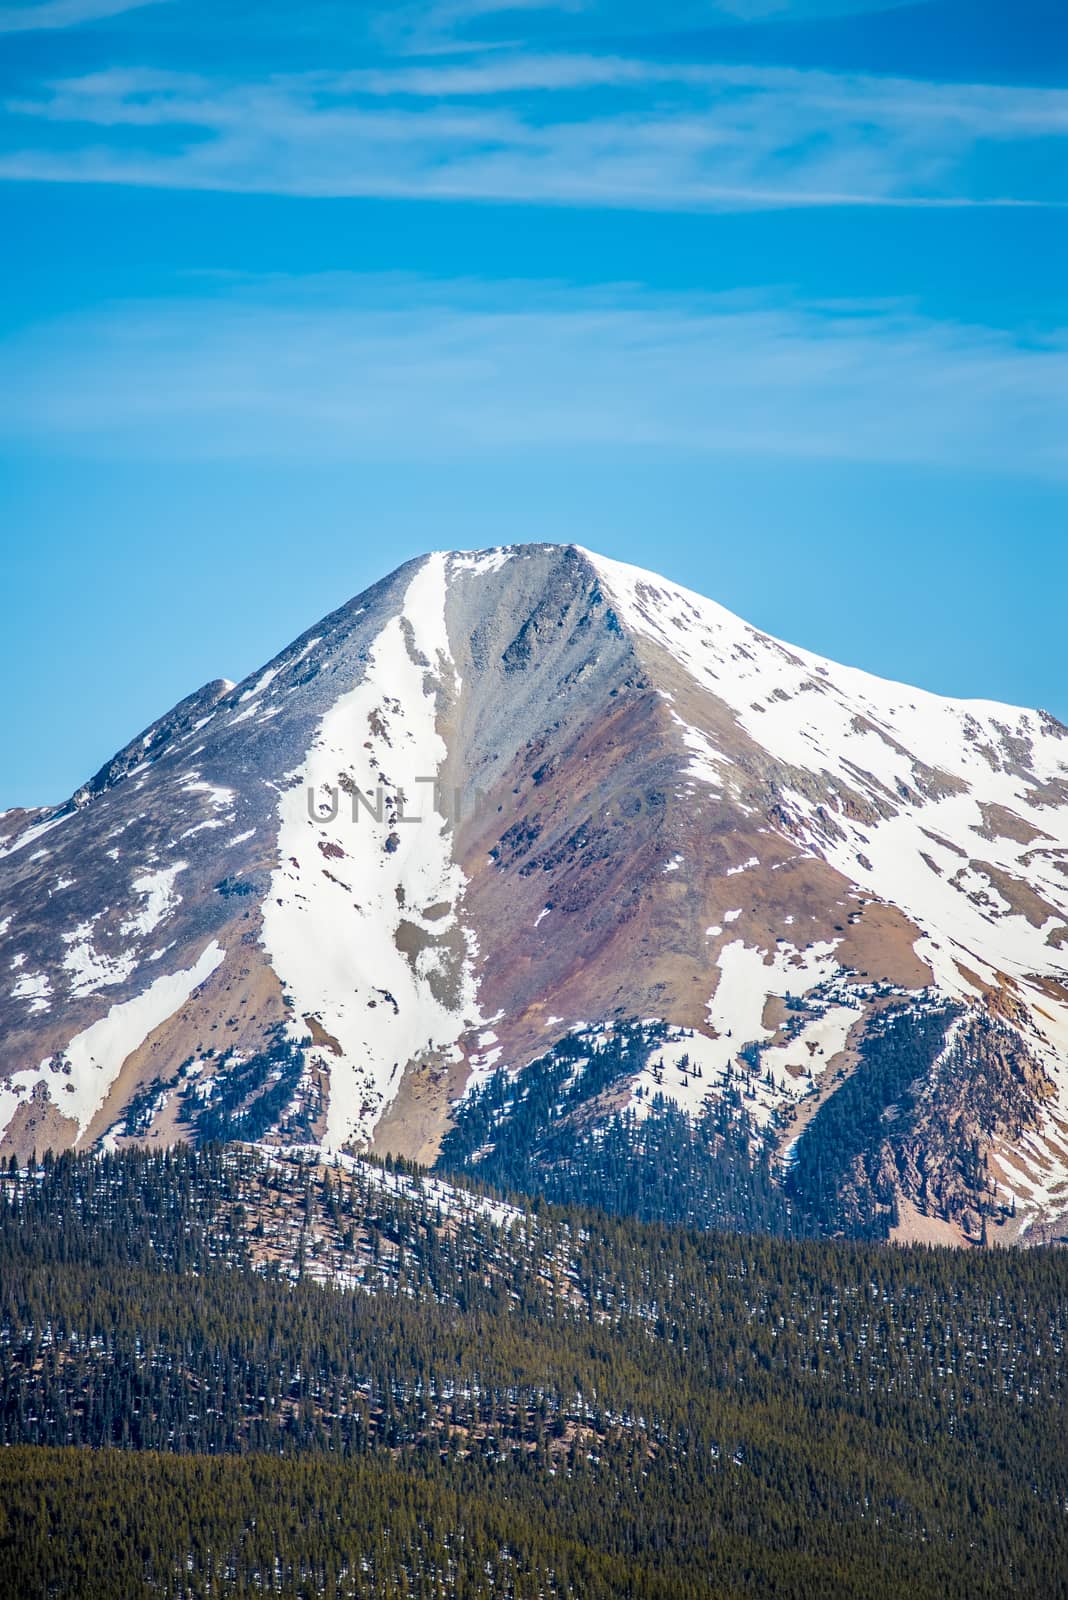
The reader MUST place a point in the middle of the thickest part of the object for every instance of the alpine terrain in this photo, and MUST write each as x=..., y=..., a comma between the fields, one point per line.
x=545, y=869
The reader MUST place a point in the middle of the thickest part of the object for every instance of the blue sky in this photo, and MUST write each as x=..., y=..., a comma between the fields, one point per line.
x=770, y=297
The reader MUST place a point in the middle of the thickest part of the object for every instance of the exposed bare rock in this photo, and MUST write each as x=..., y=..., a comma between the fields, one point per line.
x=508, y=795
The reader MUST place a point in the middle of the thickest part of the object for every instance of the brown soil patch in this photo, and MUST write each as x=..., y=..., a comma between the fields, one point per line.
x=1001, y=823
x=416, y=1120
x=1020, y=896
x=916, y=1228
x=881, y=944
x=319, y=1035
x=38, y=1125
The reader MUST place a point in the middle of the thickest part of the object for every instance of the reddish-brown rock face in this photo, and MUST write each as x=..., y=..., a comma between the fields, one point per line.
x=505, y=795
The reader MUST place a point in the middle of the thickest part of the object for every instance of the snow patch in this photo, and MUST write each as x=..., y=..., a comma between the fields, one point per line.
x=91, y=969
x=37, y=831
x=34, y=987
x=482, y=562
x=258, y=687
x=78, y=1078
x=343, y=921
x=160, y=900
x=218, y=796
x=749, y=977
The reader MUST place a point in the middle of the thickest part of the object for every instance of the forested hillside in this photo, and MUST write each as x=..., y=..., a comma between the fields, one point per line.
x=555, y=1129
x=224, y=1373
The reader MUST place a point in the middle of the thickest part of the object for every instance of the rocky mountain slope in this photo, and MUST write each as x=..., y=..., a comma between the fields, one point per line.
x=504, y=802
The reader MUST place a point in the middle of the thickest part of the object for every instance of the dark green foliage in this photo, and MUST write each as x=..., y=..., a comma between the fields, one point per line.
x=249, y=1097
x=708, y=1172
x=141, y=1108
x=82, y=1526
x=835, y=1174
x=235, y=886
x=564, y=1405
x=527, y=1134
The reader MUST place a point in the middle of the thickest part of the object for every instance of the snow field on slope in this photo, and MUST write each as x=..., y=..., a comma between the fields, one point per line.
x=746, y=983
x=331, y=921
x=893, y=745
x=96, y=1055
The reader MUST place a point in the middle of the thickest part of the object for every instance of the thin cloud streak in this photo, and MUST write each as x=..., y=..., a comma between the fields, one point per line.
x=991, y=109
x=353, y=368
x=646, y=136
x=441, y=25
x=52, y=14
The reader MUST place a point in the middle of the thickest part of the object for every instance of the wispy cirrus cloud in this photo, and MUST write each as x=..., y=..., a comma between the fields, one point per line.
x=44, y=15
x=580, y=130
x=349, y=367
x=441, y=24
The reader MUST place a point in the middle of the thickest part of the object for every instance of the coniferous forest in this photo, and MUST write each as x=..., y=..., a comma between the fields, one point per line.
x=226, y=1372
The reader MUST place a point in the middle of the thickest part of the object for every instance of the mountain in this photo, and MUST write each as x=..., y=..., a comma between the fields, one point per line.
x=525, y=847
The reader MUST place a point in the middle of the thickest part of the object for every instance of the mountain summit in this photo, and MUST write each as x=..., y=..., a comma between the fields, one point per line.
x=517, y=802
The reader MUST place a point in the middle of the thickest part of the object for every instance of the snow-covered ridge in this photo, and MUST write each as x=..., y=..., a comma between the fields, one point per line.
x=741, y=665
x=360, y=921
x=956, y=811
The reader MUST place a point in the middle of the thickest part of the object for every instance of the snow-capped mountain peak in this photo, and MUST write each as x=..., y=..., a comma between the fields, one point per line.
x=510, y=794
